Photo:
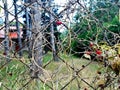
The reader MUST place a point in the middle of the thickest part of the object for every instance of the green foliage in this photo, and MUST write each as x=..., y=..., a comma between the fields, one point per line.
x=12, y=23
x=105, y=11
x=96, y=28
x=115, y=25
x=47, y=57
x=86, y=31
x=113, y=28
x=11, y=73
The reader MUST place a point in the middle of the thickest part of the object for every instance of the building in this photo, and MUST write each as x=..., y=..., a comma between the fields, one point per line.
x=13, y=36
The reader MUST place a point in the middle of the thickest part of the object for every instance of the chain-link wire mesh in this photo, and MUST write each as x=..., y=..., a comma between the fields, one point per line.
x=92, y=65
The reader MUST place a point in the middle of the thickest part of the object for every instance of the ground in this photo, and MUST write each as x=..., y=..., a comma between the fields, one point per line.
x=61, y=75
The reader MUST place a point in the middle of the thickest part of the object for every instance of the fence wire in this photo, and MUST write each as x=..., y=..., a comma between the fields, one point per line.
x=68, y=72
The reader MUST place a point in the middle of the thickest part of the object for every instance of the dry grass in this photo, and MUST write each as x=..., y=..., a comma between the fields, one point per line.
x=60, y=73
x=56, y=75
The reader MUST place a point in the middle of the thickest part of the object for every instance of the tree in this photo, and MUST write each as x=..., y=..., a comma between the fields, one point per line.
x=51, y=34
x=95, y=24
x=27, y=33
x=37, y=42
x=6, y=31
x=18, y=28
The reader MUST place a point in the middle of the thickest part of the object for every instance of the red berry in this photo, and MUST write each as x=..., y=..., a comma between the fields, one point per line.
x=98, y=52
x=91, y=44
x=58, y=22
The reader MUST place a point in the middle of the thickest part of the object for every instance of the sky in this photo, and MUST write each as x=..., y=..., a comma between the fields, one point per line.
x=57, y=2
x=60, y=2
x=11, y=9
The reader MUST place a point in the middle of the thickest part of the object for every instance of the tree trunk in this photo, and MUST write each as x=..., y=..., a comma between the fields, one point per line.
x=18, y=29
x=28, y=30
x=55, y=58
x=6, y=31
x=36, y=67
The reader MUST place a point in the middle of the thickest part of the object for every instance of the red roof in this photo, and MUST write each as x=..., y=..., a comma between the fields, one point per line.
x=11, y=34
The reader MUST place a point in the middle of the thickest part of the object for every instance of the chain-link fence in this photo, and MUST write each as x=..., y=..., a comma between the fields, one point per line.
x=71, y=46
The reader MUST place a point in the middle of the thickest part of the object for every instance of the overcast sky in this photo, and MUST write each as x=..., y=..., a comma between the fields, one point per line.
x=60, y=2
x=57, y=2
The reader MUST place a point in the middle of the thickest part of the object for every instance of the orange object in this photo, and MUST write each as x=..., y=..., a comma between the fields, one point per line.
x=13, y=35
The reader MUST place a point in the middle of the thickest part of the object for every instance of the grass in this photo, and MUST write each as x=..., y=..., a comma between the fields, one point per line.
x=59, y=71
x=15, y=74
